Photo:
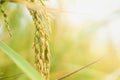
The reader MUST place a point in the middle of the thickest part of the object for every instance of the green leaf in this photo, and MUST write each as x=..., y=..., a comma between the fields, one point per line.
x=21, y=63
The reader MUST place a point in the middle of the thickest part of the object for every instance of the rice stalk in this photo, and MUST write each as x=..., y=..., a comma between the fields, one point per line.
x=79, y=69
x=5, y=17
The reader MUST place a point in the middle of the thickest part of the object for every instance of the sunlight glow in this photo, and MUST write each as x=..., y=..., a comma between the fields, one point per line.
x=79, y=13
x=91, y=10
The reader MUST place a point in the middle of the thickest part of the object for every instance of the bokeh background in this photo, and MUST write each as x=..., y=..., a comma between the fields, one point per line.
x=81, y=32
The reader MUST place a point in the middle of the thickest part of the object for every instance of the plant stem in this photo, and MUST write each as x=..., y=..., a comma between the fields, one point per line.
x=79, y=69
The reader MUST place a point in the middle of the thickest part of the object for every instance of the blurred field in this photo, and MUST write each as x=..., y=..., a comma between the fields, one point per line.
x=82, y=31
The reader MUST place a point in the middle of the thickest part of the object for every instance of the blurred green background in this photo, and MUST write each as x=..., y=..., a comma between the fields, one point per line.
x=82, y=31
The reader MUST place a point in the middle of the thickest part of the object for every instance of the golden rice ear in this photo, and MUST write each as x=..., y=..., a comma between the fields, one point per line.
x=41, y=46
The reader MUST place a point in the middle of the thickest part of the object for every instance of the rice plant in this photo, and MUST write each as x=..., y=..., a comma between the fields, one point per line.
x=65, y=51
x=41, y=36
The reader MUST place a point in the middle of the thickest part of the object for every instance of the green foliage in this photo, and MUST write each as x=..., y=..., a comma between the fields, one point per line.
x=25, y=66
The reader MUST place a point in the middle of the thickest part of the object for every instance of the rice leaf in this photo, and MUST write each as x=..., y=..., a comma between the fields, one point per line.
x=20, y=62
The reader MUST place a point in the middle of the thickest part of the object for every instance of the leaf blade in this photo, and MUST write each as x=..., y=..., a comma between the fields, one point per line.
x=21, y=63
